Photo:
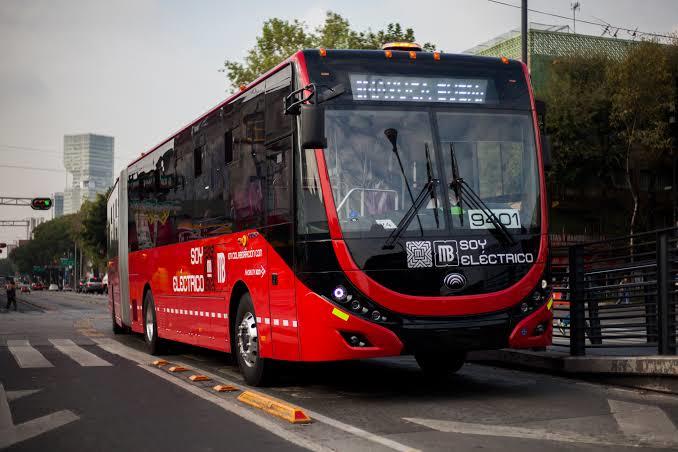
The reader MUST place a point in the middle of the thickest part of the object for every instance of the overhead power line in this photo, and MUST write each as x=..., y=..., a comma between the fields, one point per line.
x=51, y=170
x=632, y=32
x=10, y=147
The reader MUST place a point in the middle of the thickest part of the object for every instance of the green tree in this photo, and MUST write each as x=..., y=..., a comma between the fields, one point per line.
x=640, y=105
x=281, y=38
x=51, y=241
x=578, y=120
x=7, y=267
x=92, y=233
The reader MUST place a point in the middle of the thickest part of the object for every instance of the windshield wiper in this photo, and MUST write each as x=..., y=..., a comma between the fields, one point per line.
x=460, y=187
x=392, y=136
x=428, y=190
x=429, y=174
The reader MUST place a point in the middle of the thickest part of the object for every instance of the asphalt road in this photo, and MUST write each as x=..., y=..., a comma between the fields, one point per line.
x=91, y=390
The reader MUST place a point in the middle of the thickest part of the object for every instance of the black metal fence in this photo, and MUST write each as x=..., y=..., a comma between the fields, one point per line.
x=619, y=294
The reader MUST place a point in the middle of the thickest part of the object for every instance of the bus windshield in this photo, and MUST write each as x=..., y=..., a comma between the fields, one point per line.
x=494, y=154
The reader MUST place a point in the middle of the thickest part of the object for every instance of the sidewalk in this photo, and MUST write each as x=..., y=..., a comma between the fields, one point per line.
x=652, y=372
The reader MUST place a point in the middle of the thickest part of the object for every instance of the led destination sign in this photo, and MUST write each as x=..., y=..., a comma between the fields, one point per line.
x=418, y=89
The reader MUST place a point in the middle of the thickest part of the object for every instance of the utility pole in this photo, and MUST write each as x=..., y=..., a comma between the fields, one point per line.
x=523, y=31
x=574, y=7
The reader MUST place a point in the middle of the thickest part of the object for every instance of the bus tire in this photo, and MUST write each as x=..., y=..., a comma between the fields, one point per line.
x=255, y=369
x=440, y=364
x=154, y=344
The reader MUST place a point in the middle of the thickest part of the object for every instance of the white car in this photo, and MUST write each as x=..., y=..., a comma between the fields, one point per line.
x=104, y=283
x=53, y=288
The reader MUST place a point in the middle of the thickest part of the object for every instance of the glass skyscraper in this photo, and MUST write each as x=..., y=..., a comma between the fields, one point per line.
x=89, y=160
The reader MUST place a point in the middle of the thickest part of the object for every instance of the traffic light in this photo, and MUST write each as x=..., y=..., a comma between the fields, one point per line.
x=41, y=203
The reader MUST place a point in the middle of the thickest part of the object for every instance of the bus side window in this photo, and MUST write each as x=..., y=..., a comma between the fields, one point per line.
x=278, y=86
x=279, y=193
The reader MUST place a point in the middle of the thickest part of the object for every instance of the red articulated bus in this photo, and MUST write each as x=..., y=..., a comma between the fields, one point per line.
x=345, y=205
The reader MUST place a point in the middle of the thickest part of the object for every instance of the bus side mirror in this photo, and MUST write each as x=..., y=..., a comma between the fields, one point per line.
x=313, y=127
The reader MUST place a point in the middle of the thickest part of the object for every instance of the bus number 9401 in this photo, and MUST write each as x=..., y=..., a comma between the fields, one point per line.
x=508, y=217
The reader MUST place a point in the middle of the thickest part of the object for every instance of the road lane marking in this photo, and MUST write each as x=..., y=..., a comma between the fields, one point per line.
x=141, y=358
x=11, y=434
x=511, y=432
x=26, y=356
x=78, y=354
x=644, y=422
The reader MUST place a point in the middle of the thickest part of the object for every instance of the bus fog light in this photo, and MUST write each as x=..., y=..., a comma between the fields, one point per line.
x=376, y=315
x=524, y=307
x=544, y=284
x=355, y=305
x=539, y=329
x=339, y=293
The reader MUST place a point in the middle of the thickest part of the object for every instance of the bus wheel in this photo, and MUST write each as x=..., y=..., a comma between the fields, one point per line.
x=254, y=368
x=440, y=364
x=153, y=342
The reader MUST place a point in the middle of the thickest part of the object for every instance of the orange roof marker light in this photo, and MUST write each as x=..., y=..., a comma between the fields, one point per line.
x=504, y=60
x=436, y=56
x=388, y=54
x=323, y=52
x=243, y=87
x=413, y=55
x=413, y=46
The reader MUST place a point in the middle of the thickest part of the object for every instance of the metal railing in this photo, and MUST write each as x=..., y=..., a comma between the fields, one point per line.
x=617, y=294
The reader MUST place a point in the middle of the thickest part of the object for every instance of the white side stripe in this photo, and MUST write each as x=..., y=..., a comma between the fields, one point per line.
x=26, y=356
x=78, y=354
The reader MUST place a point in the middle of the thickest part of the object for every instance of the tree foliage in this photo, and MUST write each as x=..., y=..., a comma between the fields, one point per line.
x=92, y=231
x=51, y=241
x=281, y=38
x=578, y=120
x=608, y=117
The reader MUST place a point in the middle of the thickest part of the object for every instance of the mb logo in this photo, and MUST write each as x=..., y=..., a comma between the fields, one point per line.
x=446, y=253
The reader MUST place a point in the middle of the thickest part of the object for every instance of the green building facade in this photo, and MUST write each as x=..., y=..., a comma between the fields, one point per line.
x=548, y=42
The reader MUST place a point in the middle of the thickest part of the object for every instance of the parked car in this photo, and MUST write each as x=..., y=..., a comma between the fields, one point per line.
x=67, y=288
x=93, y=285
x=104, y=283
x=37, y=286
x=53, y=288
x=24, y=288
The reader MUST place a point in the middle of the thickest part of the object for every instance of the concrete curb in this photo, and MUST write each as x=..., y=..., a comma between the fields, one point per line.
x=656, y=373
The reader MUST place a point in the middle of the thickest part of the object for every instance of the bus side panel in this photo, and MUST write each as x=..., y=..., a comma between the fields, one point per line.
x=281, y=292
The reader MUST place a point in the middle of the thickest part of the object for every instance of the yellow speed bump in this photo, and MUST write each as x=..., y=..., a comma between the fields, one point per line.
x=283, y=410
x=159, y=362
x=178, y=369
x=198, y=378
x=225, y=388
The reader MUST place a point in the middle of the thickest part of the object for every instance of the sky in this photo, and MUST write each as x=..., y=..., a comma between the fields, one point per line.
x=139, y=70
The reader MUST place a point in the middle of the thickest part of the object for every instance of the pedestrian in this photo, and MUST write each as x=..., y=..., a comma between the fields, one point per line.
x=10, y=287
x=624, y=295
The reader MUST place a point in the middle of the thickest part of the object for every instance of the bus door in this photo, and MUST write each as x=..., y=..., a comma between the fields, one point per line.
x=279, y=232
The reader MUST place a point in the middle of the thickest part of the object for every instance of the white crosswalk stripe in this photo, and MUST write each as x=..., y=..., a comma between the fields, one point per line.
x=78, y=354
x=26, y=356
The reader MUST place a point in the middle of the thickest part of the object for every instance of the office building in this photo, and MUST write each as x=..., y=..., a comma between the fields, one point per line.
x=89, y=160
